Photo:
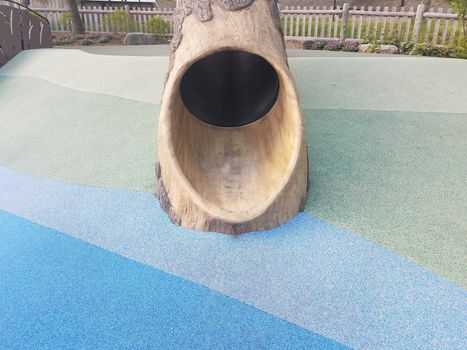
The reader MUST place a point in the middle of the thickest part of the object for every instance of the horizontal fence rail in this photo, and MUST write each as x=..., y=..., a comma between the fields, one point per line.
x=307, y=23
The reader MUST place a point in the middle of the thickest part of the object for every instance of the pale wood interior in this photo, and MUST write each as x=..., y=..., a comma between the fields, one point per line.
x=235, y=169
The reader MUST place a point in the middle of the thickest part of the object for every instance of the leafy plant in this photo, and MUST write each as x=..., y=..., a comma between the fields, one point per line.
x=350, y=46
x=370, y=38
x=157, y=25
x=63, y=41
x=460, y=6
x=393, y=41
x=120, y=21
x=105, y=39
x=426, y=49
x=374, y=48
x=86, y=42
x=333, y=45
x=459, y=49
x=65, y=21
x=314, y=45
x=406, y=47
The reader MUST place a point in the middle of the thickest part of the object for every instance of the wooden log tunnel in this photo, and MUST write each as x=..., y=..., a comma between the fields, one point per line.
x=231, y=142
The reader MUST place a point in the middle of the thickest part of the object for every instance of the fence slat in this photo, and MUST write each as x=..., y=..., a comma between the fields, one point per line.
x=399, y=24
x=106, y=27
x=96, y=21
x=145, y=17
x=310, y=23
x=291, y=23
x=352, y=30
x=323, y=23
x=436, y=30
x=392, y=20
x=336, y=23
x=428, y=28
x=383, y=25
x=408, y=25
x=317, y=17
x=368, y=23
x=140, y=22
x=298, y=23
x=285, y=24
x=453, y=31
x=303, y=24
x=375, y=28
x=360, y=24
x=85, y=19
x=445, y=31
x=93, y=22
x=59, y=25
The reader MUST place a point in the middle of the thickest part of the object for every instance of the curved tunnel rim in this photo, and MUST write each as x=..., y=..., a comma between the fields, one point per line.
x=286, y=78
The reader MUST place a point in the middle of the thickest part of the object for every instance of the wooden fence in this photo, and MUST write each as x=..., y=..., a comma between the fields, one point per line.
x=314, y=23
x=372, y=23
x=94, y=17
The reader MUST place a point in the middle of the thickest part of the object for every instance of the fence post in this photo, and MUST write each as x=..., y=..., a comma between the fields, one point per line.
x=127, y=9
x=418, y=22
x=345, y=16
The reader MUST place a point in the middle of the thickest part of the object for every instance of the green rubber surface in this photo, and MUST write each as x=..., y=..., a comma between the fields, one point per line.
x=74, y=136
x=387, y=139
x=395, y=178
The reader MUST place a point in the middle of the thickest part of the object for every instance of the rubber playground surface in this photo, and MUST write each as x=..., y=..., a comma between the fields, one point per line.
x=89, y=260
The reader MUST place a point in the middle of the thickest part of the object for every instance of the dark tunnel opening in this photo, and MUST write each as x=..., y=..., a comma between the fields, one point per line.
x=230, y=88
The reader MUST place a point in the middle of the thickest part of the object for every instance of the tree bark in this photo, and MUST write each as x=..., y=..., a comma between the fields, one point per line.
x=427, y=4
x=77, y=26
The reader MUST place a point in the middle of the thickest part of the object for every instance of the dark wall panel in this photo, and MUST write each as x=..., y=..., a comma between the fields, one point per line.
x=21, y=30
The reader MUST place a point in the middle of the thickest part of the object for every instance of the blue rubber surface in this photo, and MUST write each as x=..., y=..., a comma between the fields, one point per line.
x=58, y=292
x=306, y=271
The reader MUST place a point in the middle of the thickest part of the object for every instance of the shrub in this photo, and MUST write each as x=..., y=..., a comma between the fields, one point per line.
x=65, y=21
x=460, y=54
x=394, y=41
x=120, y=22
x=426, y=49
x=105, y=39
x=333, y=45
x=406, y=47
x=86, y=42
x=63, y=41
x=350, y=46
x=314, y=45
x=459, y=48
x=157, y=25
x=370, y=38
x=374, y=48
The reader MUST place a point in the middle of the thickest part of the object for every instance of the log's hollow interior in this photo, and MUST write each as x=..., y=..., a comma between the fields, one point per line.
x=235, y=170
x=230, y=88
